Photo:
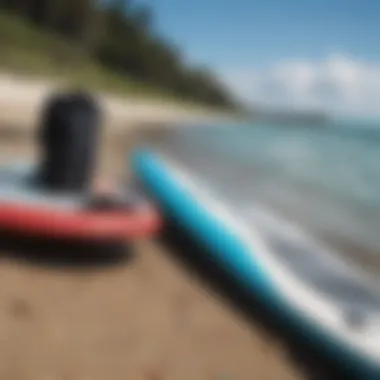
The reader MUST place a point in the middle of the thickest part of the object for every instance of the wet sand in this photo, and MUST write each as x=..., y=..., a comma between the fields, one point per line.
x=146, y=318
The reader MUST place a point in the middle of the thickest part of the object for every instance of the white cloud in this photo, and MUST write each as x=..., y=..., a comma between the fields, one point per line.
x=338, y=84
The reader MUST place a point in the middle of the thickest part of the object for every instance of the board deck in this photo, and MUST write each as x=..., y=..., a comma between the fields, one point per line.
x=16, y=185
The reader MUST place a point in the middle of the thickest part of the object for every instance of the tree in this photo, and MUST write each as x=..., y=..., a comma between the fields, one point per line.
x=120, y=35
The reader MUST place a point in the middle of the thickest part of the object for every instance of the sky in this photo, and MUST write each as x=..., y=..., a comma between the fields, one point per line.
x=300, y=54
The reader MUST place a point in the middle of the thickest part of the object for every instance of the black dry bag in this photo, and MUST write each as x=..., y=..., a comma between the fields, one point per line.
x=68, y=136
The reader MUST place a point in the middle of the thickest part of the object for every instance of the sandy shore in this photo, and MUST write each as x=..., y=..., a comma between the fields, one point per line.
x=144, y=319
x=21, y=100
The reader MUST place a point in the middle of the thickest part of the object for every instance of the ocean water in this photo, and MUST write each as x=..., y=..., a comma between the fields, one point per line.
x=324, y=178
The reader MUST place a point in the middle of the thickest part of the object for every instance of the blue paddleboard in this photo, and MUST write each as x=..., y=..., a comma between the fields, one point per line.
x=247, y=219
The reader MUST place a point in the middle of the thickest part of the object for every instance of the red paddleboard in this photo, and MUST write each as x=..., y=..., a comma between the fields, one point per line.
x=28, y=210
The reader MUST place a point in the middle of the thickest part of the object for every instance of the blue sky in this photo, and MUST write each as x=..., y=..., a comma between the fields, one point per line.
x=249, y=39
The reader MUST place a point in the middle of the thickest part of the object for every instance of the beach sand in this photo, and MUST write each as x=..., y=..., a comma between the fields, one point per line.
x=145, y=318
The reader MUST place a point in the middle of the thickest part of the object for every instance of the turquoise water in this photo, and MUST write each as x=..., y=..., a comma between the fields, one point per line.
x=326, y=178
x=339, y=160
x=342, y=162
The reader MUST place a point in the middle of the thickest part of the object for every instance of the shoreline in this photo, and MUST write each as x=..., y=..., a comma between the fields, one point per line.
x=21, y=99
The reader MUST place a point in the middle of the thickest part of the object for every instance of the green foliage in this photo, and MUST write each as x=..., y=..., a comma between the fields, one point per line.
x=115, y=34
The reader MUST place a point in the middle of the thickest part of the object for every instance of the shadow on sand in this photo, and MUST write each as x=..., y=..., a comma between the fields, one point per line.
x=194, y=258
x=62, y=253
x=183, y=249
